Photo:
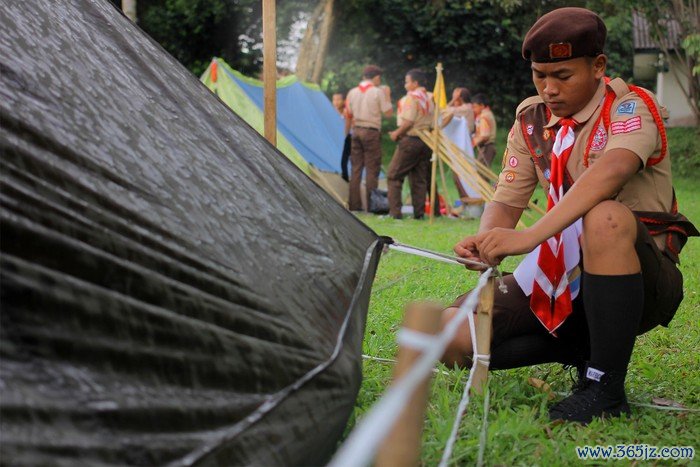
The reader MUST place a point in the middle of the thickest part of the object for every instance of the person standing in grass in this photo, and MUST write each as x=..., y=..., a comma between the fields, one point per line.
x=339, y=105
x=365, y=106
x=412, y=156
x=485, y=136
x=602, y=263
x=459, y=106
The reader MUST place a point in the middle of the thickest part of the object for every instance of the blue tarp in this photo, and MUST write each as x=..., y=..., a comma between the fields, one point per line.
x=307, y=119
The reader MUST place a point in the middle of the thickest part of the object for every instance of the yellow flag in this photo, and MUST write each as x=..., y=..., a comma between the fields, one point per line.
x=439, y=94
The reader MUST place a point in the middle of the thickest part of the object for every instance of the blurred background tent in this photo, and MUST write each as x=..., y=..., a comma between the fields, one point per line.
x=154, y=310
x=309, y=130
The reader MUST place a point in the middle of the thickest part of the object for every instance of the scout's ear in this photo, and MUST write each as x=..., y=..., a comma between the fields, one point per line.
x=599, y=64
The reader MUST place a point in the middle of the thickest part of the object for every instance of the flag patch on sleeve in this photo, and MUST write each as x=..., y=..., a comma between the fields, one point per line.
x=627, y=108
x=627, y=126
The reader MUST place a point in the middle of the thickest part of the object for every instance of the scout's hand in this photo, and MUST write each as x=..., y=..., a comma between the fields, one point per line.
x=467, y=250
x=498, y=243
x=394, y=135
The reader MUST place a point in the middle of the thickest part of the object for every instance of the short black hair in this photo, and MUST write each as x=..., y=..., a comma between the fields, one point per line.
x=480, y=99
x=418, y=75
x=371, y=71
x=465, y=94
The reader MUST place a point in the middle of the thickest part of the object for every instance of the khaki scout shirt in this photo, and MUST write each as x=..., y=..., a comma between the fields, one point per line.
x=487, y=126
x=465, y=111
x=367, y=107
x=649, y=189
x=411, y=111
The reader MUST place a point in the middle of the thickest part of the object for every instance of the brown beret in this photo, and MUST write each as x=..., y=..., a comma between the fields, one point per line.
x=564, y=34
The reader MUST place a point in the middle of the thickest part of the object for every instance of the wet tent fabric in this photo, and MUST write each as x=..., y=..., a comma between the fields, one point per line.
x=154, y=311
x=305, y=116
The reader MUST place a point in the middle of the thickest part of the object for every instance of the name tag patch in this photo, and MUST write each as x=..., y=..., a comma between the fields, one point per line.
x=627, y=126
x=627, y=108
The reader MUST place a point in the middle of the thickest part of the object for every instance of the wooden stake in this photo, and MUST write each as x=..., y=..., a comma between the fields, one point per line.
x=436, y=142
x=403, y=445
x=483, y=334
x=270, y=70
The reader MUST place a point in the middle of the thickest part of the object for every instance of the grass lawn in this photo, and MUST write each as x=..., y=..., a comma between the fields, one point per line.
x=665, y=363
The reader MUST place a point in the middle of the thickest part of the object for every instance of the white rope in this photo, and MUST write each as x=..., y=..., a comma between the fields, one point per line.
x=412, y=250
x=464, y=402
x=362, y=444
x=415, y=339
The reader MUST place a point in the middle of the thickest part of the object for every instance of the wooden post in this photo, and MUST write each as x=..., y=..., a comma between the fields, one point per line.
x=483, y=334
x=436, y=140
x=129, y=9
x=403, y=445
x=270, y=70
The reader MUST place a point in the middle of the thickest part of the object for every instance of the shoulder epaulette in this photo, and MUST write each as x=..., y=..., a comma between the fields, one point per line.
x=619, y=87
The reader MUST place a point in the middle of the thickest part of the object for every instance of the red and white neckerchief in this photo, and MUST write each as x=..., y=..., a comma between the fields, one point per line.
x=365, y=85
x=551, y=297
x=423, y=100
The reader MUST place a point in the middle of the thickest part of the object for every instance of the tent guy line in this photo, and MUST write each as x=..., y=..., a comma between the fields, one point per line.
x=446, y=259
x=362, y=444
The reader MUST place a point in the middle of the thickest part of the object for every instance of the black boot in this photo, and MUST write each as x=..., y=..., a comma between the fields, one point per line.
x=599, y=394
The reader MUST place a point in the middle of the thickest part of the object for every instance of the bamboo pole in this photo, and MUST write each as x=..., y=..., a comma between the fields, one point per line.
x=403, y=445
x=483, y=334
x=471, y=166
x=448, y=208
x=436, y=142
x=270, y=70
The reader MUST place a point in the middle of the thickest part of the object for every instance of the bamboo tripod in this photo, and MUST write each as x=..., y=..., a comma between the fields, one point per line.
x=470, y=169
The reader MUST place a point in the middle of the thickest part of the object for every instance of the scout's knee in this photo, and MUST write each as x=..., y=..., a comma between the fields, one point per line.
x=608, y=225
x=459, y=350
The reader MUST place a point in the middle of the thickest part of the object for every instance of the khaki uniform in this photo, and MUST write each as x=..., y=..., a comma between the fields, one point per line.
x=366, y=109
x=632, y=127
x=647, y=193
x=465, y=111
x=411, y=158
x=487, y=127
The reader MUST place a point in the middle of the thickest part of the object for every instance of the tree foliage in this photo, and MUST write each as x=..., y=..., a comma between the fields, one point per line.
x=478, y=41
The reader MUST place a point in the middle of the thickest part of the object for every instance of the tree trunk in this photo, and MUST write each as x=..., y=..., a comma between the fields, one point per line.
x=686, y=13
x=129, y=9
x=314, y=46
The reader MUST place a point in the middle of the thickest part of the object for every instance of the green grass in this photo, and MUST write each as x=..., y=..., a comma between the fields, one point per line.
x=665, y=363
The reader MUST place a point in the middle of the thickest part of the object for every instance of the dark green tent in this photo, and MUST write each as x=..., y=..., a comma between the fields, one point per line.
x=173, y=291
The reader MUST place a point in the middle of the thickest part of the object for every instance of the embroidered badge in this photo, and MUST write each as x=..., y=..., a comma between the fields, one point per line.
x=547, y=173
x=546, y=134
x=627, y=126
x=510, y=176
x=560, y=50
x=530, y=129
x=627, y=108
x=538, y=151
x=513, y=161
x=511, y=133
x=600, y=138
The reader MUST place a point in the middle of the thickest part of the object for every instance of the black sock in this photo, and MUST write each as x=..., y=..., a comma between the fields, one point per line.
x=614, y=306
x=530, y=349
